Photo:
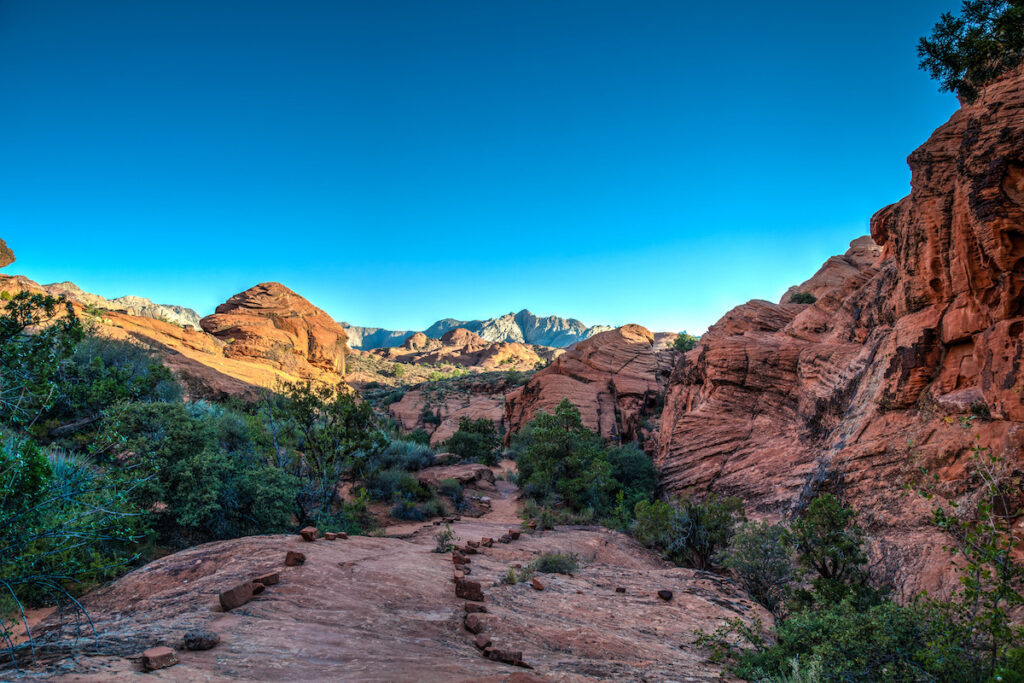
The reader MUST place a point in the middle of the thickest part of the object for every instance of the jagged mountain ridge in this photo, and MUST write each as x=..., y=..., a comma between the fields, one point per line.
x=132, y=305
x=523, y=327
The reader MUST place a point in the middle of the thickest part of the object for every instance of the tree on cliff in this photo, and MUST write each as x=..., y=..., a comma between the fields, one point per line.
x=967, y=51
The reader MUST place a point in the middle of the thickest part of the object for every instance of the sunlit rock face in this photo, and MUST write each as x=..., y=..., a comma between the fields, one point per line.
x=923, y=323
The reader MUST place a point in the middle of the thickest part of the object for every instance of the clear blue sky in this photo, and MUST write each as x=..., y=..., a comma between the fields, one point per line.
x=399, y=161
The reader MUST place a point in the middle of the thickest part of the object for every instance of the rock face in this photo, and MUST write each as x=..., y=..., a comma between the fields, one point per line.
x=6, y=255
x=615, y=379
x=274, y=325
x=782, y=400
x=465, y=348
x=132, y=305
x=438, y=410
x=374, y=337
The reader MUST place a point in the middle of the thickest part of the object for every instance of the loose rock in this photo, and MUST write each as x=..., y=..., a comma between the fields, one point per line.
x=294, y=559
x=237, y=596
x=201, y=639
x=309, y=533
x=269, y=579
x=476, y=607
x=158, y=658
x=258, y=588
x=482, y=641
x=537, y=585
x=469, y=590
x=330, y=536
x=473, y=622
x=665, y=595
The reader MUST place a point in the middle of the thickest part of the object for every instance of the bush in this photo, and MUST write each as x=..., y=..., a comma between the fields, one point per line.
x=399, y=454
x=759, y=556
x=685, y=342
x=419, y=436
x=453, y=489
x=418, y=512
x=555, y=563
x=475, y=441
x=395, y=485
x=688, y=531
x=966, y=52
x=444, y=540
x=206, y=482
x=803, y=298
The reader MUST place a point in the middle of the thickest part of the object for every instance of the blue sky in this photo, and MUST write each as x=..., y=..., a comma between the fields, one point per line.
x=399, y=161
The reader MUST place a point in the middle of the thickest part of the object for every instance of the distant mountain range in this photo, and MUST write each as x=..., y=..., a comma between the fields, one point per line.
x=522, y=327
x=132, y=305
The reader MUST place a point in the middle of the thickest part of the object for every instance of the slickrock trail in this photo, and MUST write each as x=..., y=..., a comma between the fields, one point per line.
x=385, y=609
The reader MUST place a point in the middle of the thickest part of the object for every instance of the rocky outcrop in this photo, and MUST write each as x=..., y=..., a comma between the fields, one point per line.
x=522, y=327
x=132, y=305
x=6, y=255
x=615, y=379
x=438, y=409
x=274, y=325
x=467, y=349
x=851, y=392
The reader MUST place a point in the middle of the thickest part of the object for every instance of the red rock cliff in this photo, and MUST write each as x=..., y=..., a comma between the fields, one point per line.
x=780, y=400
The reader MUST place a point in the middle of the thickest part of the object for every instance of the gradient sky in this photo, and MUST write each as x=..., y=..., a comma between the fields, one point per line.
x=400, y=161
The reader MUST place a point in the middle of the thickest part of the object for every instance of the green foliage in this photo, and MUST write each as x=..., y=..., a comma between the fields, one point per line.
x=419, y=436
x=408, y=510
x=453, y=489
x=828, y=545
x=803, y=298
x=475, y=441
x=398, y=371
x=555, y=563
x=758, y=554
x=395, y=485
x=444, y=540
x=968, y=51
x=689, y=531
x=512, y=576
x=685, y=342
x=562, y=463
x=206, y=482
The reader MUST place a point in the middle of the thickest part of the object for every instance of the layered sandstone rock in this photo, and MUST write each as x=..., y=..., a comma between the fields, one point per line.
x=614, y=378
x=781, y=400
x=438, y=410
x=467, y=349
x=274, y=325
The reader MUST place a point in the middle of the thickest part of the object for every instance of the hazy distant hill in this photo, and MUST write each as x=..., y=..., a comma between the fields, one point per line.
x=522, y=327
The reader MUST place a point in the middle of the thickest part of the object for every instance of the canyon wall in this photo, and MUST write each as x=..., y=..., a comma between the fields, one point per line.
x=912, y=329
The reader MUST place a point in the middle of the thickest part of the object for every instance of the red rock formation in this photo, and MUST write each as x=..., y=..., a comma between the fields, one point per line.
x=465, y=348
x=274, y=325
x=613, y=378
x=778, y=401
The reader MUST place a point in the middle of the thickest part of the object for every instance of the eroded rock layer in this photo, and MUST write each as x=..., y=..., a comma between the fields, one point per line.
x=852, y=391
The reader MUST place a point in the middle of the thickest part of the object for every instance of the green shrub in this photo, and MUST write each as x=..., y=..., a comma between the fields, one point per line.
x=444, y=540
x=759, y=556
x=419, y=436
x=966, y=52
x=397, y=371
x=685, y=342
x=803, y=298
x=395, y=485
x=453, y=489
x=555, y=563
x=408, y=510
x=689, y=531
x=475, y=441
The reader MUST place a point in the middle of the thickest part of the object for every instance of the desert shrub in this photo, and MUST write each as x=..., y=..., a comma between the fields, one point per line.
x=444, y=540
x=429, y=417
x=803, y=298
x=685, y=342
x=689, y=531
x=475, y=441
x=555, y=563
x=634, y=475
x=408, y=510
x=419, y=436
x=968, y=51
x=512, y=576
x=401, y=454
x=759, y=556
x=398, y=371
x=63, y=527
x=205, y=482
x=395, y=485
x=453, y=490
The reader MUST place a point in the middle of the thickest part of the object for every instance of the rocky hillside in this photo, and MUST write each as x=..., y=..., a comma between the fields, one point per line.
x=615, y=378
x=522, y=327
x=923, y=323
x=389, y=609
x=132, y=305
x=467, y=349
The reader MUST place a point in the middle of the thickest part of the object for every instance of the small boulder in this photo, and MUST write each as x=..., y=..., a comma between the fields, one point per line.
x=482, y=641
x=475, y=607
x=473, y=622
x=158, y=658
x=459, y=559
x=309, y=533
x=514, y=657
x=620, y=589
x=294, y=559
x=330, y=536
x=537, y=585
x=665, y=595
x=469, y=590
x=237, y=596
x=269, y=579
x=470, y=550
x=459, y=576
x=258, y=588
x=201, y=639
x=513, y=534
x=341, y=535
x=487, y=542
x=472, y=544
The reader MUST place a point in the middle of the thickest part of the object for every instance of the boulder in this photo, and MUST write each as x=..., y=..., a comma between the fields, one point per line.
x=268, y=579
x=294, y=558
x=482, y=641
x=665, y=595
x=201, y=639
x=469, y=590
x=536, y=584
x=475, y=607
x=309, y=533
x=473, y=622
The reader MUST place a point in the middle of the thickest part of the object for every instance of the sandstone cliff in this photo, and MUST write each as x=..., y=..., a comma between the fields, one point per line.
x=781, y=400
x=615, y=378
x=467, y=349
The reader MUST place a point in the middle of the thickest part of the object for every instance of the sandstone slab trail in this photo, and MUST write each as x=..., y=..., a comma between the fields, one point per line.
x=385, y=609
